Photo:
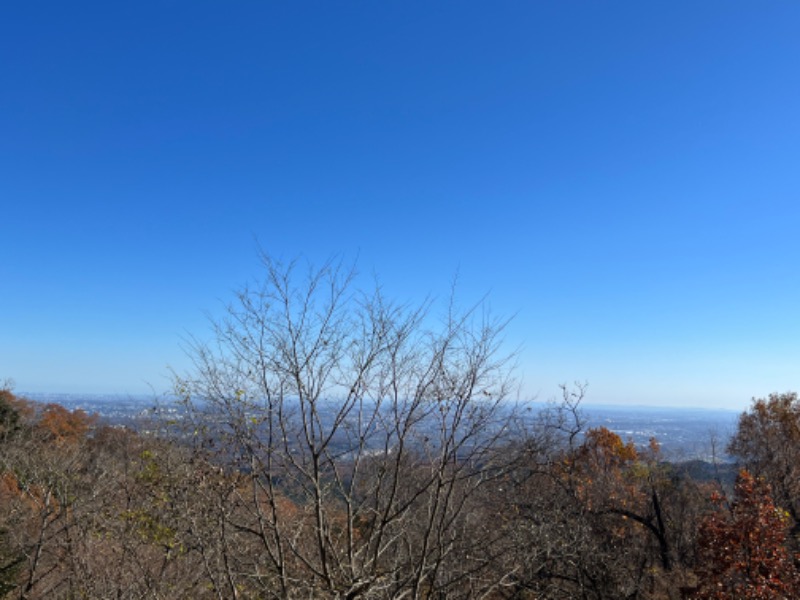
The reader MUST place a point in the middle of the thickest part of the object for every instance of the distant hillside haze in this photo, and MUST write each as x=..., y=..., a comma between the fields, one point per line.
x=684, y=433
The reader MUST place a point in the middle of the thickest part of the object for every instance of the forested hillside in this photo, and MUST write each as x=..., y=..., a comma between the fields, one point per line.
x=91, y=511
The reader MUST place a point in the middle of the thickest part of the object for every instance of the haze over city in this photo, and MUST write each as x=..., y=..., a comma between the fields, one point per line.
x=619, y=179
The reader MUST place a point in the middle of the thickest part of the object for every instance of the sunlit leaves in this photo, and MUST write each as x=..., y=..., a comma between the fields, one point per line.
x=741, y=548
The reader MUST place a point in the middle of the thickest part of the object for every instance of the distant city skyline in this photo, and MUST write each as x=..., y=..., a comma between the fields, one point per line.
x=619, y=179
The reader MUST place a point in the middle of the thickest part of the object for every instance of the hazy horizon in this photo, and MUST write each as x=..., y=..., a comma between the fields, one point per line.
x=540, y=402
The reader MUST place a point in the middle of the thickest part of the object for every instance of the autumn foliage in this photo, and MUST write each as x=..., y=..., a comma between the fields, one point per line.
x=91, y=511
x=61, y=425
x=742, y=552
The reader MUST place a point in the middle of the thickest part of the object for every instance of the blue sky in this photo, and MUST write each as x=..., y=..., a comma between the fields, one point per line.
x=621, y=176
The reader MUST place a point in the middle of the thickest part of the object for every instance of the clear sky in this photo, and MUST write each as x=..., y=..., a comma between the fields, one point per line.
x=622, y=176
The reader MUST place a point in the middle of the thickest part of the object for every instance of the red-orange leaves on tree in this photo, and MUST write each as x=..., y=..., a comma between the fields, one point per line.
x=63, y=425
x=600, y=468
x=605, y=448
x=741, y=548
x=767, y=443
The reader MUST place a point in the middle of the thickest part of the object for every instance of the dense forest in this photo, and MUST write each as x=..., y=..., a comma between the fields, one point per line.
x=333, y=444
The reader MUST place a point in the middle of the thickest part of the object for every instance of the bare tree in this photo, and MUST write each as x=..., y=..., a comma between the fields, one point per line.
x=365, y=431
